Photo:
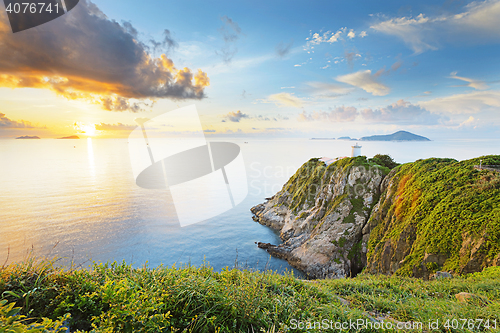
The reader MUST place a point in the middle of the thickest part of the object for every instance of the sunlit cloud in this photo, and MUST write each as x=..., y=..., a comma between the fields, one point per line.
x=87, y=56
x=366, y=81
x=86, y=129
x=8, y=123
x=338, y=114
x=114, y=127
x=402, y=112
x=476, y=84
x=470, y=122
x=235, y=116
x=331, y=37
x=473, y=102
x=327, y=90
x=285, y=99
x=478, y=23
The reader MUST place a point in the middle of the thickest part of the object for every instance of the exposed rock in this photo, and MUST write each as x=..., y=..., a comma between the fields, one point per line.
x=496, y=261
x=471, y=298
x=320, y=213
x=472, y=254
x=342, y=300
x=441, y=275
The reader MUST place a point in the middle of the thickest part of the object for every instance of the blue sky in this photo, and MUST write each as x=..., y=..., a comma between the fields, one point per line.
x=316, y=68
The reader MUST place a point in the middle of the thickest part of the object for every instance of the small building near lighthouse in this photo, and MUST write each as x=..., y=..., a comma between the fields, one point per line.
x=356, y=150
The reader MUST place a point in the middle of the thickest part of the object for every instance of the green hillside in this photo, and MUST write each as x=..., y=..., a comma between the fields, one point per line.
x=119, y=298
x=437, y=214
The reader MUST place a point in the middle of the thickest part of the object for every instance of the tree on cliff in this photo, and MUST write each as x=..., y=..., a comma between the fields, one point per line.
x=384, y=160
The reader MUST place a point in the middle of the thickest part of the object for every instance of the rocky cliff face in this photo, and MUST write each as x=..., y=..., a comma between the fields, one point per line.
x=434, y=214
x=320, y=213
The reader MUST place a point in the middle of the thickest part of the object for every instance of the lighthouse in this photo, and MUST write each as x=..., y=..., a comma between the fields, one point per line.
x=356, y=150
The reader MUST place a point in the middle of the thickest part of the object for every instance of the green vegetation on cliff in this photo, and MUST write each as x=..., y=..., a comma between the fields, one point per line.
x=439, y=214
x=313, y=175
x=119, y=298
x=384, y=160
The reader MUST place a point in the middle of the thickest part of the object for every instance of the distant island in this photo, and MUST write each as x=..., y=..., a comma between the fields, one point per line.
x=398, y=136
x=69, y=137
x=346, y=138
x=322, y=138
x=27, y=137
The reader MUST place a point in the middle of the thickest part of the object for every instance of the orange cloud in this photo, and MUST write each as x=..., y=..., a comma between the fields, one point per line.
x=9, y=123
x=114, y=127
x=85, y=55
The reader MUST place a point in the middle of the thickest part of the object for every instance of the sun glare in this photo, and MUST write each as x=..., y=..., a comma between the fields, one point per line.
x=86, y=129
x=89, y=130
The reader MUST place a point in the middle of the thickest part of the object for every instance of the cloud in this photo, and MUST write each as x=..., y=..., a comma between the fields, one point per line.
x=285, y=99
x=230, y=32
x=8, y=123
x=331, y=37
x=283, y=50
x=350, y=57
x=327, y=90
x=114, y=127
x=395, y=66
x=477, y=24
x=398, y=113
x=366, y=81
x=168, y=42
x=235, y=116
x=401, y=112
x=209, y=131
x=473, y=102
x=271, y=118
x=476, y=84
x=338, y=114
x=470, y=122
x=87, y=56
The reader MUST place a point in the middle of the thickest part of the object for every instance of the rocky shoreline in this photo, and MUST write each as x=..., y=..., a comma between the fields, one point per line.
x=320, y=214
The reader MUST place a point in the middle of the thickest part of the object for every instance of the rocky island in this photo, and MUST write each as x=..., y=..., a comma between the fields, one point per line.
x=71, y=137
x=398, y=136
x=414, y=220
x=27, y=137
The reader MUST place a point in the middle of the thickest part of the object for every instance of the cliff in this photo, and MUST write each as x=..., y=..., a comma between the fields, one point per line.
x=320, y=213
x=434, y=214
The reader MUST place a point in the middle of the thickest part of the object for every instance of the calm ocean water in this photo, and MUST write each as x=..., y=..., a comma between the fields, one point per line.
x=77, y=200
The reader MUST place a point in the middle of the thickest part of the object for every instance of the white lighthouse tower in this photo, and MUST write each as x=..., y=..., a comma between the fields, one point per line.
x=356, y=150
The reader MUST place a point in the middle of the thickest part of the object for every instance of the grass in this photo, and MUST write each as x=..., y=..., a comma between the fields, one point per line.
x=115, y=297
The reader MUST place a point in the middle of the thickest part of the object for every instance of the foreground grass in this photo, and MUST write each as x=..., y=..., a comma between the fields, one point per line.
x=118, y=298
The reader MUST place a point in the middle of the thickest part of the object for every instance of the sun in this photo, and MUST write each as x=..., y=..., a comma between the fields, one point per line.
x=89, y=130
x=86, y=129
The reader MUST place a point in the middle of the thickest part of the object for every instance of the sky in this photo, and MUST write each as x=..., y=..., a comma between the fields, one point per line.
x=256, y=68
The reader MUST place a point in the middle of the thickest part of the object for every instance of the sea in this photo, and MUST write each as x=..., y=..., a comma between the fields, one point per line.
x=77, y=202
